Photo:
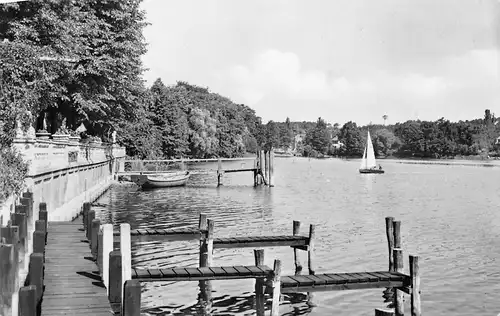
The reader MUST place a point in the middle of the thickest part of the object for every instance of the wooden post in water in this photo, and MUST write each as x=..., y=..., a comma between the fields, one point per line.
x=398, y=267
x=266, y=167
x=398, y=295
x=36, y=273
x=276, y=284
x=19, y=220
x=100, y=244
x=205, y=294
x=107, y=248
x=90, y=218
x=261, y=166
x=220, y=172
x=310, y=262
x=389, y=231
x=203, y=227
x=131, y=298
x=259, y=284
x=126, y=254
x=416, y=309
x=296, y=232
x=271, y=168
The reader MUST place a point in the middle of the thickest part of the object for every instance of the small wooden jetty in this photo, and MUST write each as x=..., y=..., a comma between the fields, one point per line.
x=262, y=168
x=77, y=269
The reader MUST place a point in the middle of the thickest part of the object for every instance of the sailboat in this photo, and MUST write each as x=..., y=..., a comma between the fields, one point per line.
x=368, y=162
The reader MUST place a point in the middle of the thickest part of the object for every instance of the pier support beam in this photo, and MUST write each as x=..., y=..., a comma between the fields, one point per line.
x=416, y=309
x=259, y=284
x=276, y=284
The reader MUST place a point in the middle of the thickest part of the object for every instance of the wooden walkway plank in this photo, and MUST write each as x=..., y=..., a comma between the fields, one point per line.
x=260, y=241
x=342, y=281
x=203, y=273
x=71, y=285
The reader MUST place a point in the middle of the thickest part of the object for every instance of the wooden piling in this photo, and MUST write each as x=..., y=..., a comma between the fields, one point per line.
x=296, y=232
x=7, y=278
x=203, y=227
x=96, y=224
x=11, y=236
x=389, y=231
x=39, y=241
x=271, y=168
x=207, y=246
x=115, y=280
x=310, y=251
x=220, y=172
x=36, y=273
x=416, y=309
x=398, y=297
x=259, y=284
x=100, y=243
x=43, y=216
x=266, y=167
x=126, y=254
x=90, y=218
x=19, y=220
x=107, y=248
x=275, y=308
x=85, y=212
x=131, y=298
x=27, y=301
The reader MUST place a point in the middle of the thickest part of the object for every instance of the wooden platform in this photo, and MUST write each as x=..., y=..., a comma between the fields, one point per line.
x=261, y=241
x=343, y=281
x=72, y=284
x=166, y=234
x=198, y=274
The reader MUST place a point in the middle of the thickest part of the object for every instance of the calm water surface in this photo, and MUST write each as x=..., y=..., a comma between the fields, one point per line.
x=450, y=217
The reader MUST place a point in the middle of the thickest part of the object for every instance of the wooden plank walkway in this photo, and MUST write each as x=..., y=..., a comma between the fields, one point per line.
x=72, y=283
x=343, y=281
x=166, y=234
x=261, y=241
x=204, y=273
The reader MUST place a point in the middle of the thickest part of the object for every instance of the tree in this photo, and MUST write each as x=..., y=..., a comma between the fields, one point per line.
x=351, y=137
x=319, y=138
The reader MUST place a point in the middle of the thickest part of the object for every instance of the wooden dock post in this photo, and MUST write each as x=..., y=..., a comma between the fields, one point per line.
x=90, y=218
x=203, y=227
x=266, y=167
x=100, y=243
x=310, y=251
x=96, y=224
x=416, y=309
x=36, y=273
x=107, y=248
x=131, y=298
x=27, y=301
x=296, y=232
x=261, y=166
x=220, y=172
x=276, y=284
x=19, y=220
x=398, y=295
x=389, y=231
x=207, y=246
x=115, y=280
x=85, y=213
x=398, y=267
x=126, y=254
x=259, y=284
x=43, y=216
x=39, y=239
x=7, y=278
x=271, y=168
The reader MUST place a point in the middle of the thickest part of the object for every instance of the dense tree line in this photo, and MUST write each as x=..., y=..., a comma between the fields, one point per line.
x=413, y=138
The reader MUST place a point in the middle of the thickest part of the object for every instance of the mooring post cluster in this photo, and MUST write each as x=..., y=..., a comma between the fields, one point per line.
x=22, y=250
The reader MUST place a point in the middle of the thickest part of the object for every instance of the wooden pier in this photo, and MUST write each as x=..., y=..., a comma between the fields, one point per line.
x=262, y=169
x=76, y=269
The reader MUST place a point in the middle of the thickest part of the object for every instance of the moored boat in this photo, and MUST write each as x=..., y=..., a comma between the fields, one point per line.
x=165, y=180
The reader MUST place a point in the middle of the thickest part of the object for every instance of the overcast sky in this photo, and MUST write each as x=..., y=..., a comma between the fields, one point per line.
x=341, y=60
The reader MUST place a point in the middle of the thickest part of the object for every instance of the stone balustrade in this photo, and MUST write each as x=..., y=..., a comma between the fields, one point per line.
x=47, y=155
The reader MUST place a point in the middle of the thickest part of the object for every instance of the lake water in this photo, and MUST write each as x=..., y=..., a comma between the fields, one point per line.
x=450, y=217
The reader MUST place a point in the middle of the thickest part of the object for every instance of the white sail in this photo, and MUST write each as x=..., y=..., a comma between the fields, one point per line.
x=363, y=160
x=370, y=154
